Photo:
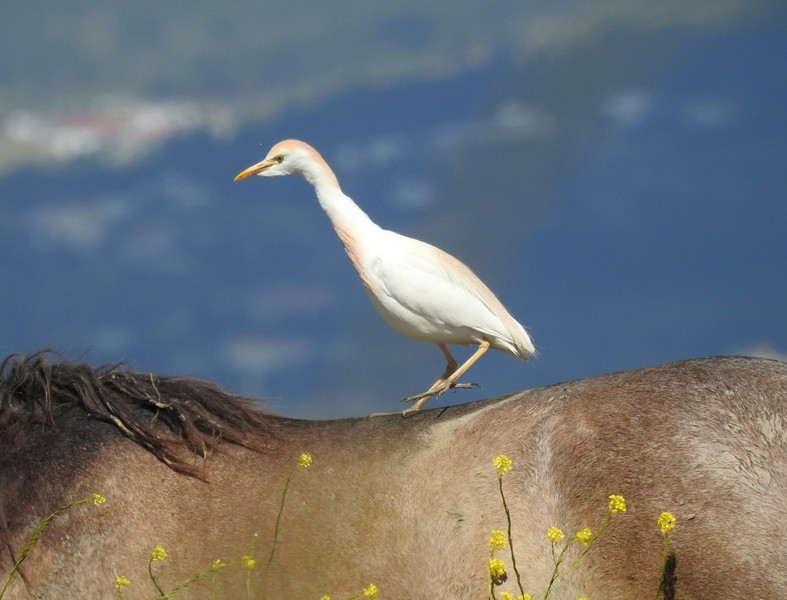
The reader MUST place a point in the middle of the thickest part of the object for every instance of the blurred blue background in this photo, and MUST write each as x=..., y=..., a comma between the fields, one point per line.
x=615, y=172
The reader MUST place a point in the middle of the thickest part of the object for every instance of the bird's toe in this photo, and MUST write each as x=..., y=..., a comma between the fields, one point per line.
x=466, y=386
x=417, y=397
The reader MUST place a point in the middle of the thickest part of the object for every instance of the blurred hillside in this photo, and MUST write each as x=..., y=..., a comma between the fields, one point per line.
x=68, y=52
x=113, y=79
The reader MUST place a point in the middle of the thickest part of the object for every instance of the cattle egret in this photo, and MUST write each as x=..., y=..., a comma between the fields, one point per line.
x=420, y=291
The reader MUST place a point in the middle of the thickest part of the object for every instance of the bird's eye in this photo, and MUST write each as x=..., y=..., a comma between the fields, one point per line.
x=279, y=158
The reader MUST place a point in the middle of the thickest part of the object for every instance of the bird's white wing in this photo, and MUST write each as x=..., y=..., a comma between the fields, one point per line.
x=428, y=294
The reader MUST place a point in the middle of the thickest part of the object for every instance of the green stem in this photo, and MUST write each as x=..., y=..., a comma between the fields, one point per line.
x=276, y=529
x=34, y=537
x=491, y=588
x=510, y=537
x=593, y=539
x=663, y=566
x=160, y=591
x=188, y=582
x=556, y=571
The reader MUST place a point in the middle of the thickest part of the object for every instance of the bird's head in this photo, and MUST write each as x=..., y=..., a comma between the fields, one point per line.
x=285, y=158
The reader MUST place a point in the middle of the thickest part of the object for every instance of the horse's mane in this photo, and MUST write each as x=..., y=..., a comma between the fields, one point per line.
x=162, y=414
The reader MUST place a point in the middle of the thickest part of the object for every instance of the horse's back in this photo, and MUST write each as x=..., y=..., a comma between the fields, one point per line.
x=410, y=503
x=703, y=439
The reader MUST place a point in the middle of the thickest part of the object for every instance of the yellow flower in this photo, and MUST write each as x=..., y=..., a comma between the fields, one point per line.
x=248, y=562
x=98, y=499
x=497, y=540
x=582, y=598
x=158, y=553
x=326, y=597
x=370, y=591
x=666, y=522
x=497, y=570
x=218, y=564
x=305, y=460
x=617, y=504
x=554, y=535
x=121, y=582
x=503, y=463
x=525, y=597
x=583, y=536
x=506, y=596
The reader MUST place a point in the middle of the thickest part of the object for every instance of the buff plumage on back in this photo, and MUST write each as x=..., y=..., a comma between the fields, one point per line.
x=418, y=289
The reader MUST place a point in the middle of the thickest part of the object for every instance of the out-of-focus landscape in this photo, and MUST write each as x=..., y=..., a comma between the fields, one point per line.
x=615, y=172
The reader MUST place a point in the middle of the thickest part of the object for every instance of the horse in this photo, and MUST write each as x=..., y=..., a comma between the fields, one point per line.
x=206, y=497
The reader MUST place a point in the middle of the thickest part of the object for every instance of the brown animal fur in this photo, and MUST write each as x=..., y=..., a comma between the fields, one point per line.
x=405, y=503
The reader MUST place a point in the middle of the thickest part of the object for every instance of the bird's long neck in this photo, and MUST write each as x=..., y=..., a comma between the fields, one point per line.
x=346, y=216
x=354, y=228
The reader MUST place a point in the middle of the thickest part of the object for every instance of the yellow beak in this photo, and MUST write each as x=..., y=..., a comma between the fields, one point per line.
x=254, y=169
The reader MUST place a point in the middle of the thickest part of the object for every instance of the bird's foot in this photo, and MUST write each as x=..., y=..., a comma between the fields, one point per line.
x=424, y=396
x=439, y=390
x=436, y=390
x=464, y=386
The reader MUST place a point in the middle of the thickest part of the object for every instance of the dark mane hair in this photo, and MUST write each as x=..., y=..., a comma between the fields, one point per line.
x=162, y=414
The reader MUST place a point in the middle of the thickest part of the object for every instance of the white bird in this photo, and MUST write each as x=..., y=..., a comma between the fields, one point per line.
x=420, y=291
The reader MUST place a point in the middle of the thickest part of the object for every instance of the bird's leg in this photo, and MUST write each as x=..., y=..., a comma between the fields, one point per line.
x=448, y=380
x=482, y=348
x=450, y=367
x=450, y=364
